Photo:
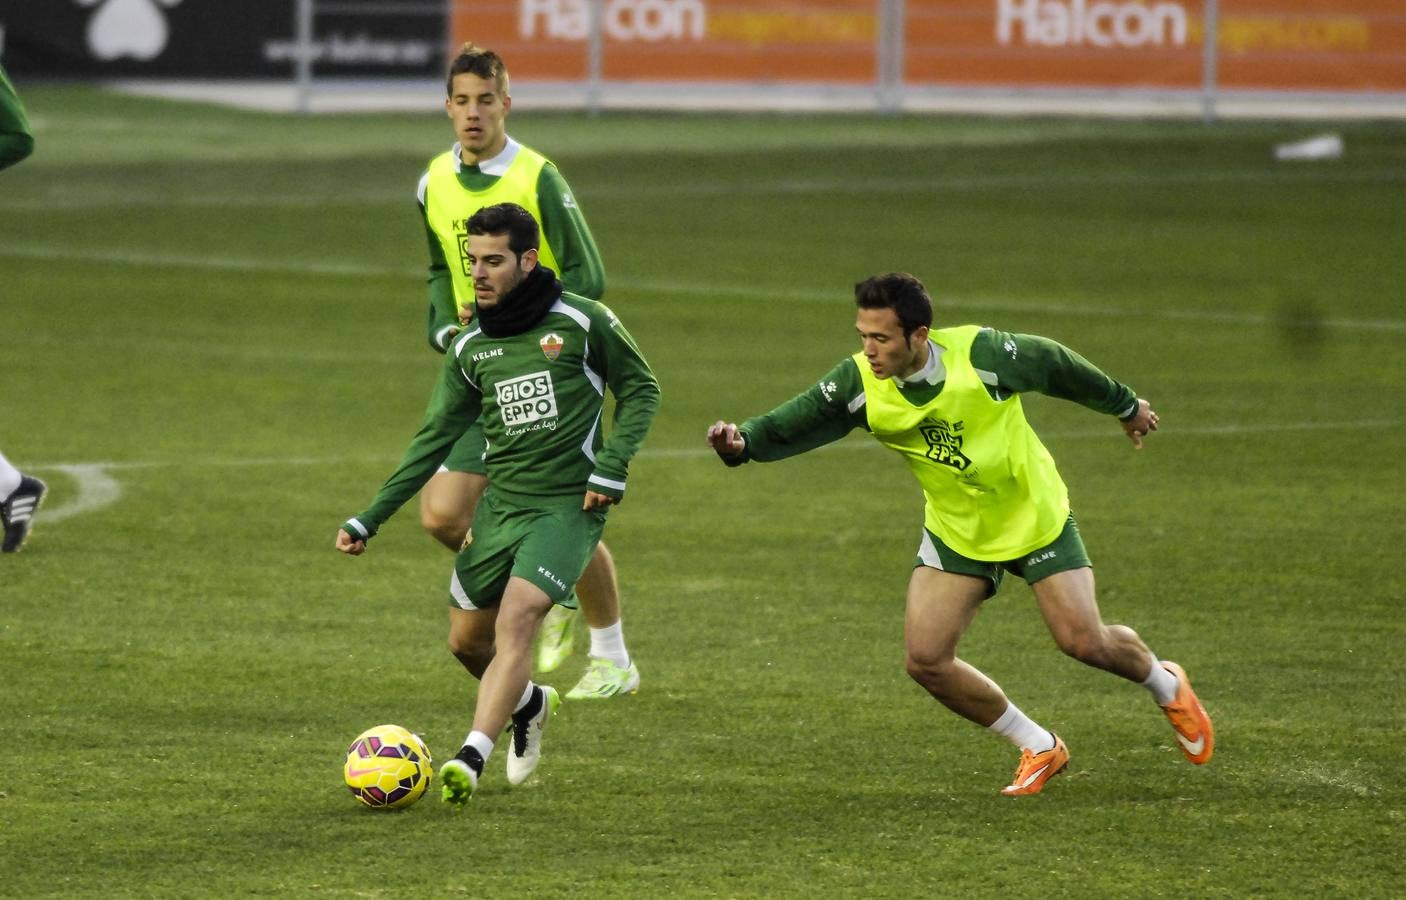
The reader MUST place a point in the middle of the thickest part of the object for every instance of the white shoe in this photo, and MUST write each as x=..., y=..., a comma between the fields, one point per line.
x=526, y=749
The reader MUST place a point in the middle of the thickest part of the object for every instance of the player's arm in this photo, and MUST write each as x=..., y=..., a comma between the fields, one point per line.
x=1027, y=362
x=823, y=413
x=454, y=405
x=565, y=230
x=636, y=392
x=442, y=322
x=16, y=139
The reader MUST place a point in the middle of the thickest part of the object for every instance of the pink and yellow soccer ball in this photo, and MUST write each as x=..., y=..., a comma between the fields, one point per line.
x=388, y=767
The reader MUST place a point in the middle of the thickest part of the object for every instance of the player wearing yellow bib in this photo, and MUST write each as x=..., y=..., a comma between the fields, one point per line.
x=484, y=168
x=948, y=401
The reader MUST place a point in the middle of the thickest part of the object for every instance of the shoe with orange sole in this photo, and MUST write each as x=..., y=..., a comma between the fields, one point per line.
x=1037, y=768
x=1193, y=728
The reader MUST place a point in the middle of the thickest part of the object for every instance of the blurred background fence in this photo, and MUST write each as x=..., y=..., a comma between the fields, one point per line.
x=1199, y=56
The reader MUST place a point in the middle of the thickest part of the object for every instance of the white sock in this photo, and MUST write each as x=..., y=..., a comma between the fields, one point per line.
x=609, y=643
x=9, y=477
x=480, y=742
x=1022, y=731
x=526, y=696
x=1162, y=683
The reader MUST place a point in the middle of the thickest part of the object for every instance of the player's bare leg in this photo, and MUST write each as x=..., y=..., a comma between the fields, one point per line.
x=611, y=672
x=941, y=605
x=447, y=505
x=1067, y=601
x=471, y=637
x=497, y=646
x=1070, y=610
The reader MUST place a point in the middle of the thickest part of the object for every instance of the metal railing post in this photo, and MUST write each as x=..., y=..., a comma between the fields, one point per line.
x=303, y=70
x=1210, y=57
x=595, y=57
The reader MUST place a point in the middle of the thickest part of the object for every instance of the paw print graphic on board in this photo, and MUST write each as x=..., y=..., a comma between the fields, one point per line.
x=135, y=28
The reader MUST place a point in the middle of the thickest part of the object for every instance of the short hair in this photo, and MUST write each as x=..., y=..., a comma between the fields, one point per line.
x=476, y=60
x=510, y=219
x=900, y=292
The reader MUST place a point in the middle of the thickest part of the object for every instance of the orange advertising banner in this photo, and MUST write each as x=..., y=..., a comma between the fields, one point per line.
x=1158, y=44
x=1338, y=45
x=768, y=41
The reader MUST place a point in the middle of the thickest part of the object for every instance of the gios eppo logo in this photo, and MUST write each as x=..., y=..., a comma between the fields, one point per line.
x=526, y=399
x=135, y=28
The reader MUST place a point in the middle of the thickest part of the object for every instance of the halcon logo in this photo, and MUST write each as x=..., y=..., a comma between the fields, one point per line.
x=135, y=28
x=621, y=20
x=1104, y=23
x=526, y=399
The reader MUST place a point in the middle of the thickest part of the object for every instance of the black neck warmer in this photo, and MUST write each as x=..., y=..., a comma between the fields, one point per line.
x=523, y=306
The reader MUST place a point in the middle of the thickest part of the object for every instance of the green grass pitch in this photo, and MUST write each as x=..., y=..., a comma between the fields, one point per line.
x=213, y=351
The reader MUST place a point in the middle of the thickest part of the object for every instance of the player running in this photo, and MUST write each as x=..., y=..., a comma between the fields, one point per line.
x=486, y=166
x=948, y=401
x=532, y=370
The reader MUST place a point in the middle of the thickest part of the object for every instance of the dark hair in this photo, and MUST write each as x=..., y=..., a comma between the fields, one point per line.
x=900, y=292
x=477, y=61
x=510, y=219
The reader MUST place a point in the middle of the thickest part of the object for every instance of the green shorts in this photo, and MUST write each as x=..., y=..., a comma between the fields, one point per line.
x=467, y=453
x=547, y=543
x=1059, y=555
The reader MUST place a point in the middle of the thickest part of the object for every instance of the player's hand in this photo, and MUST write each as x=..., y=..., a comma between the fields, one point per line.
x=1141, y=424
x=346, y=544
x=597, y=501
x=725, y=439
x=466, y=315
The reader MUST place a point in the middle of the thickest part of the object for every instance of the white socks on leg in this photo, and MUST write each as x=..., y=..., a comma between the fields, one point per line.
x=1022, y=731
x=1161, y=683
x=9, y=477
x=609, y=643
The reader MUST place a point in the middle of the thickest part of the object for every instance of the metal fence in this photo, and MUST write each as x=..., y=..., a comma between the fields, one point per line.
x=895, y=55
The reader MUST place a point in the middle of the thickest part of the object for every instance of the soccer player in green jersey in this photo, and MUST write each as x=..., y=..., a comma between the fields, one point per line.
x=16, y=140
x=532, y=370
x=486, y=166
x=20, y=494
x=948, y=400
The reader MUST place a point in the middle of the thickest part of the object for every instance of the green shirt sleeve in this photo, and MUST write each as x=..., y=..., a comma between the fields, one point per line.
x=825, y=412
x=442, y=321
x=454, y=406
x=613, y=352
x=1027, y=362
x=566, y=232
x=16, y=139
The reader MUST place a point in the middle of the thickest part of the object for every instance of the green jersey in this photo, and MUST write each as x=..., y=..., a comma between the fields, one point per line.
x=1006, y=364
x=16, y=141
x=565, y=235
x=540, y=394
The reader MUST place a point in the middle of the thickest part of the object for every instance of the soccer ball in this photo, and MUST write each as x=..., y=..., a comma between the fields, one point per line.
x=388, y=767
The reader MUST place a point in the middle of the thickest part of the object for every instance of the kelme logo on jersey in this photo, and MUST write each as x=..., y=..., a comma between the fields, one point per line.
x=945, y=443
x=551, y=346
x=526, y=399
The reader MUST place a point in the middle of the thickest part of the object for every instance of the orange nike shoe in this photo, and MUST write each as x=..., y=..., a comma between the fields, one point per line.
x=1189, y=720
x=1037, y=768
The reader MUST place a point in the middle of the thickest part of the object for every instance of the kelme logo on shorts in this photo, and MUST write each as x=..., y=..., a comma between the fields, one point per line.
x=945, y=443
x=526, y=399
x=551, y=346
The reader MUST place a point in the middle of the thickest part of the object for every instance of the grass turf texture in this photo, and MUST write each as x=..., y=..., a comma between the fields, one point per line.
x=225, y=311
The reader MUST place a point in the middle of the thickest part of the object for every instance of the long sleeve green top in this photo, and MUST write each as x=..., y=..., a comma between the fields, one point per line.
x=16, y=139
x=1008, y=363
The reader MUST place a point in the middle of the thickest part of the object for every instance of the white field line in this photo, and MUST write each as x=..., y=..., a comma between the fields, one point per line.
x=96, y=488
x=787, y=186
x=805, y=295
